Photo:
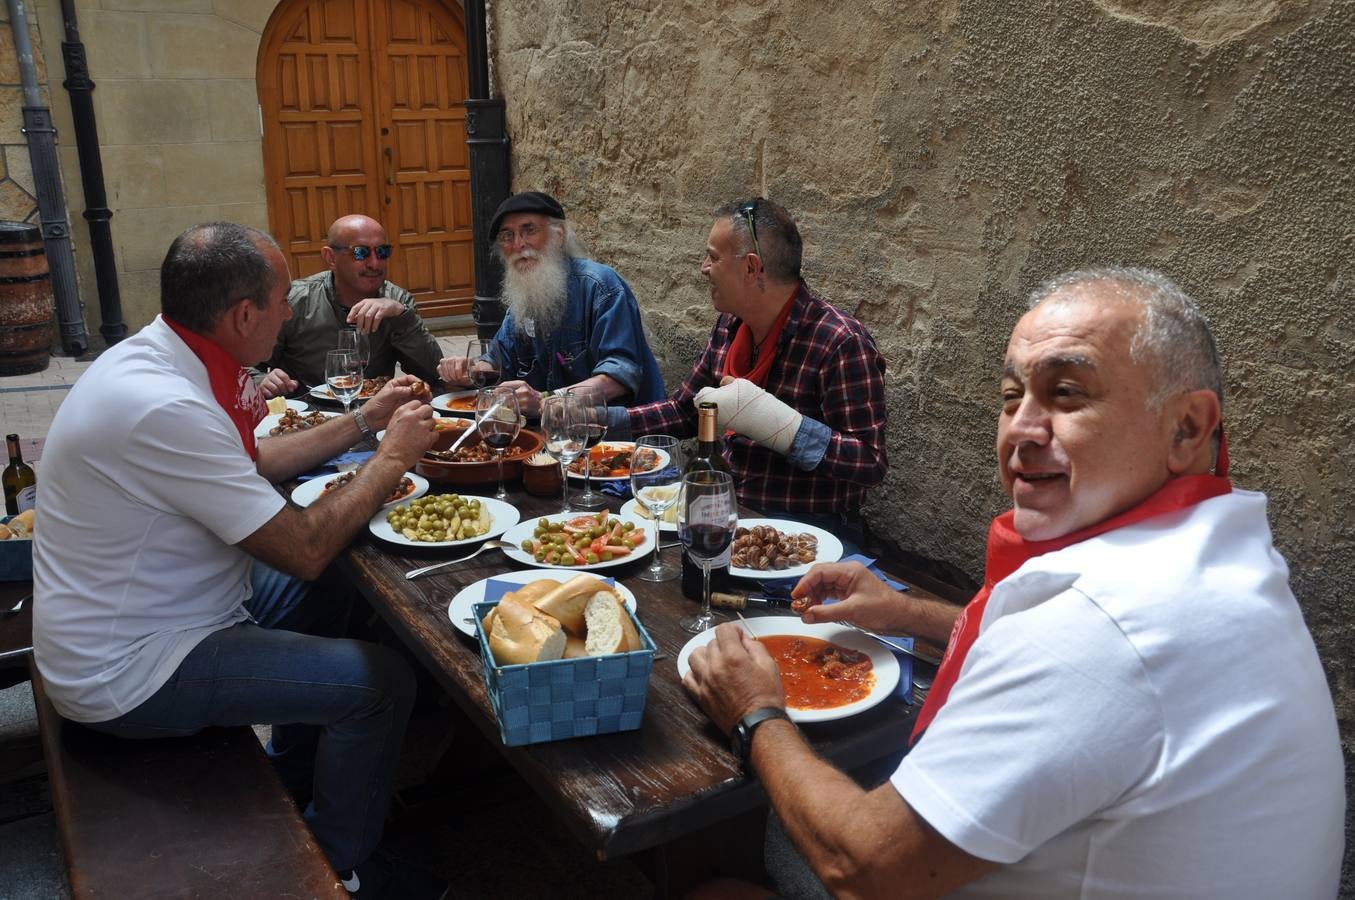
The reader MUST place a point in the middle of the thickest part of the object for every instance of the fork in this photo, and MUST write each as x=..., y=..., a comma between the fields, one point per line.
x=487, y=545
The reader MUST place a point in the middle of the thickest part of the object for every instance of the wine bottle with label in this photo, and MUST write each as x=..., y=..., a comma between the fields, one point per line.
x=709, y=455
x=19, y=480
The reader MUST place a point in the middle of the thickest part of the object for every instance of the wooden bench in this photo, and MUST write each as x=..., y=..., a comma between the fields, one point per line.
x=200, y=816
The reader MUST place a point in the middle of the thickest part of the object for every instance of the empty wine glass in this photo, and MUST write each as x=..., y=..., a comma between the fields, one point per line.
x=587, y=424
x=357, y=341
x=555, y=424
x=707, y=516
x=498, y=421
x=655, y=479
x=343, y=374
x=484, y=369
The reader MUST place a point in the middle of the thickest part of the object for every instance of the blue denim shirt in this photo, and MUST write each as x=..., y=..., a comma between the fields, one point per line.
x=599, y=334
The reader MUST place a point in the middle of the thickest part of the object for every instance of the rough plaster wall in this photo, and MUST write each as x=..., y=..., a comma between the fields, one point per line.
x=942, y=157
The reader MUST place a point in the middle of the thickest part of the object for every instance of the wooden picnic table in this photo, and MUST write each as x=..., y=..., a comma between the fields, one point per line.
x=619, y=793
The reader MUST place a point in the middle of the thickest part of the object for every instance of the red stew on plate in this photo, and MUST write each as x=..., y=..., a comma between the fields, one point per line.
x=818, y=674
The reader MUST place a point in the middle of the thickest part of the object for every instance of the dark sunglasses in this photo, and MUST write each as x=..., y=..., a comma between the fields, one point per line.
x=749, y=213
x=362, y=251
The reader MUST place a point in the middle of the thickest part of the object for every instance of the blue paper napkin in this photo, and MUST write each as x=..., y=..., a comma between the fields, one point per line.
x=351, y=459
x=618, y=489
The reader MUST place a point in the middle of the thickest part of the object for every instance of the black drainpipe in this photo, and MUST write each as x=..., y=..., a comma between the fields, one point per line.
x=97, y=214
x=488, y=169
x=56, y=231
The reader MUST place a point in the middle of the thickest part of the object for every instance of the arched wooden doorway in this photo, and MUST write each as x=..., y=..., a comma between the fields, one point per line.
x=362, y=113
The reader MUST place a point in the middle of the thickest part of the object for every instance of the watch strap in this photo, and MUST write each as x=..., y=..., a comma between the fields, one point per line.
x=743, y=732
x=361, y=421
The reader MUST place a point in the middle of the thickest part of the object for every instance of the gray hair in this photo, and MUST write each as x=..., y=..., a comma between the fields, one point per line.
x=777, y=237
x=1174, y=338
x=211, y=267
x=575, y=248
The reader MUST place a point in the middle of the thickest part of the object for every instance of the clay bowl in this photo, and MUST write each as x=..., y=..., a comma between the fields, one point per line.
x=477, y=473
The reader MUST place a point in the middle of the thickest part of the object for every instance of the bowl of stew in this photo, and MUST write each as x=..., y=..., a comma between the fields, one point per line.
x=473, y=463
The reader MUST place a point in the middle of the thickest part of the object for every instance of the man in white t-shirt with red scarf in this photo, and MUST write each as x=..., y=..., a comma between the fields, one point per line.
x=172, y=582
x=1131, y=705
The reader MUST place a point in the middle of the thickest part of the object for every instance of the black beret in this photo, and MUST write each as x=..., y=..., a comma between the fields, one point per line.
x=526, y=202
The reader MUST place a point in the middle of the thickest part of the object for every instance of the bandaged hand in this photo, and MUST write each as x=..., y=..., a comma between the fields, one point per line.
x=752, y=412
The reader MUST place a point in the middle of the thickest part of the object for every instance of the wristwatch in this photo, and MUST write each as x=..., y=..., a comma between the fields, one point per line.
x=741, y=738
x=361, y=421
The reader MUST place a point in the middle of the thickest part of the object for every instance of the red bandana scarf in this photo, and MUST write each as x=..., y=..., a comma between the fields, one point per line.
x=231, y=385
x=1008, y=551
x=739, y=359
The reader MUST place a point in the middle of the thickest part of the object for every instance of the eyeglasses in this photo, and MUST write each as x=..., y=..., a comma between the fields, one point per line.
x=362, y=251
x=749, y=213
x=527, y=232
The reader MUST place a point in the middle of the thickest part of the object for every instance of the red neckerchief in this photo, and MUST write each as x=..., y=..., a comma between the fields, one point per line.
x=231, y=385
x=739, y=358
x=1008, y=551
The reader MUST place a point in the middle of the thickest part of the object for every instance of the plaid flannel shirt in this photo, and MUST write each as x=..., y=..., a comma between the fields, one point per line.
x=828, y=369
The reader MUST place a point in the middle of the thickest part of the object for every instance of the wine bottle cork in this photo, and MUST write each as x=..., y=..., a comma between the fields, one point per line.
x=728, y=601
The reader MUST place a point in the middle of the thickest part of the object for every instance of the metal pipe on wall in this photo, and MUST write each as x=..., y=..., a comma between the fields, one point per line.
x=488, y=147
x=81, y=89
x=56, y=231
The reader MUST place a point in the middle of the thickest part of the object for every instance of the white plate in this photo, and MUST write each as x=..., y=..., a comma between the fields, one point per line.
x=830, y=549
x=639, y=514
x=462, y=606
x=502, y=516
x=270, y=422
x=885, y=666
x=307, y=492
x=321, y=392
x=629, y=445
x=441, y=400
x=524, y=531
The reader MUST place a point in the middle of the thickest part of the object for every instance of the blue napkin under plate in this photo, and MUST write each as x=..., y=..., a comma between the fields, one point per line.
x=618, y=489
x=351, y=460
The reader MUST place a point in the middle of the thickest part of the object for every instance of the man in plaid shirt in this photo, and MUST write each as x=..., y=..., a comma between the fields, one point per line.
x=799, y=383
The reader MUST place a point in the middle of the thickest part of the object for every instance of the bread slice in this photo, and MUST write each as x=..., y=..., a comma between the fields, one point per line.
x=610, y=629
x=566, y=602
x=522, y=634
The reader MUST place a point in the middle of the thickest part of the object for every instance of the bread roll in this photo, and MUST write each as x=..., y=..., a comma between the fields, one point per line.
x=575, y=647
x=522, y=634
x=528, y=593
x=566, y=601
x=22, y=524
x=610, y=629
x=5, y=533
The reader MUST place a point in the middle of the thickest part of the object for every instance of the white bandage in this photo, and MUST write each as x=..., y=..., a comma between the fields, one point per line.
x=754, y=413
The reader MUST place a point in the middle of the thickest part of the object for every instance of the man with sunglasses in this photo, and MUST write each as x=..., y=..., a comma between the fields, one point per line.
x=799, y=383
x=352, y=292
x=570, y=321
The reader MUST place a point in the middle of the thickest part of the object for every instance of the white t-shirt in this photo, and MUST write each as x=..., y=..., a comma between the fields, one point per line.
x=1143, y=715
x=145, y=489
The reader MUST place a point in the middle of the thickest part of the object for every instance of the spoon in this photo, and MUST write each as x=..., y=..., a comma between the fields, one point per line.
x=487, y=545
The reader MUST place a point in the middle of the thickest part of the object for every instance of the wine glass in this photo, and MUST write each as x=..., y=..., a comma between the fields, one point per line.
x=483, y=368
x=343, y=374
x=656, y=482
x=707, y=515
x=498, y=420
x=587, y=424
x=555, y=424
x=357, y=341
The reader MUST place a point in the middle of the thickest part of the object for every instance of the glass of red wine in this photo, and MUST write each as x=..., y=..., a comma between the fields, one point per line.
x=483, y=368
x=706, y=518
x=498, y=420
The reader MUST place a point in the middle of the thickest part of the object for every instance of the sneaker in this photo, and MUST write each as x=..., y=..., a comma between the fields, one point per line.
x=383, y=878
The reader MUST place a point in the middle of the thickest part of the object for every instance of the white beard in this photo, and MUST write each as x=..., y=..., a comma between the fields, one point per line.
x=537, y=296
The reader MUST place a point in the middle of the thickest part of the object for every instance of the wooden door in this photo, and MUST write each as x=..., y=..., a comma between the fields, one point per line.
x=362, y=113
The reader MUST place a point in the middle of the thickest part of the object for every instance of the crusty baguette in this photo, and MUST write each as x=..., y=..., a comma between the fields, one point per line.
x=22, y=524
x=566, y=602
x=528, y=593
x=609, y=627
x=575, y=647
x=523, y=634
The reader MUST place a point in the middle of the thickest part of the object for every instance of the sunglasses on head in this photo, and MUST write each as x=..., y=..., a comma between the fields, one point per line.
x=362, y=251
x=749, y=213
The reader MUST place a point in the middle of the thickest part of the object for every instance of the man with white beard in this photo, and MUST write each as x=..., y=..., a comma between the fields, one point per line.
x=570, y=321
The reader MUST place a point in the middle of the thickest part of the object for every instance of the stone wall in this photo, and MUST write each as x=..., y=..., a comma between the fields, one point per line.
x=943, y=157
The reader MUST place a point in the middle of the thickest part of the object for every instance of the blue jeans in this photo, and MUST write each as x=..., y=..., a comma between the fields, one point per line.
x=349, y=700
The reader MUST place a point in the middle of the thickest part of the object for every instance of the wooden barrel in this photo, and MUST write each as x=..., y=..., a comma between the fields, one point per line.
x=25, y=300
